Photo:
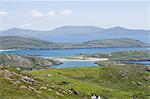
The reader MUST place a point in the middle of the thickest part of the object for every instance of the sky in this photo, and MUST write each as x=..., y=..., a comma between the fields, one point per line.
x=50, y=14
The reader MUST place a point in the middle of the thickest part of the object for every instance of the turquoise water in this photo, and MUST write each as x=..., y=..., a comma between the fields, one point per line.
x=75, y=64
x=147, y=63
x=70, y=52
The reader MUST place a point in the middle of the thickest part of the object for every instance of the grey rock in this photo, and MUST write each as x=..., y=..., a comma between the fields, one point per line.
x=27, y=79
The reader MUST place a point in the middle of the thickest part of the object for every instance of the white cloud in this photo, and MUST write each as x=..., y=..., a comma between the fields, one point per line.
x=66, y=12
x=51, y=13
x=3, y=13
x=36, y=13
x=25, y=25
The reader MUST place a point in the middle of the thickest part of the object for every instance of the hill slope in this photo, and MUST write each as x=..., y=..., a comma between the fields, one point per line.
x=122, y=42
x=109, y=82
x=14, y=42
x=10, y=42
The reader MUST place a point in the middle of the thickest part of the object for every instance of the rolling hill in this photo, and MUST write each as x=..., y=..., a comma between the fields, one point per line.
x=109, y=82
x=15, y=42
x=10, y=42
x=121, y=42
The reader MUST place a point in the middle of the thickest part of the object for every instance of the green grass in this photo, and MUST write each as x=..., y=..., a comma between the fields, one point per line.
x=113, y=82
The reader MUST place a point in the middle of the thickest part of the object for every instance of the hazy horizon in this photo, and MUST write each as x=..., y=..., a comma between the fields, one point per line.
x=48, y=15
x=74, y=26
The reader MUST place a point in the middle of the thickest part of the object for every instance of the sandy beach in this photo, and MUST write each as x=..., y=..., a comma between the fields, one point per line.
x=64, y=59
x=1, y=50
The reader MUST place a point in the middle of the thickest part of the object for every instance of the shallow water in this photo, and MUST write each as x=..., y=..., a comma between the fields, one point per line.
x=69, y=52
x=147, y=63
x=70, y=64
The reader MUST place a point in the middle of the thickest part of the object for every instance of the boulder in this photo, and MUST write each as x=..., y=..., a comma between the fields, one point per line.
x=139, y=83
x=27, y=79
x=6, y=73
x=76, y=92
x=43, y=88
x=65, y=82
x=59, y=94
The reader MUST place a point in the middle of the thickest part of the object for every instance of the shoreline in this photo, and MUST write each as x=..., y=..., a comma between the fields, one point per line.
x=81, y=59
x=1, y=50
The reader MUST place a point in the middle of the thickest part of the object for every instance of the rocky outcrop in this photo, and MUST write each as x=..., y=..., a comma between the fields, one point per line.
x=8, y=74
x=26, y=62
x=27, y=79
x=76, y=92
x=16, y=79
x=22, y=81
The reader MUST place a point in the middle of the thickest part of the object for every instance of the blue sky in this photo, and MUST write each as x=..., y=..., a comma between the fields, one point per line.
x=47, y=15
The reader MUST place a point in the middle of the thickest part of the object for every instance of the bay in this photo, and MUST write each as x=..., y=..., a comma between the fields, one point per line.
x=69, y=52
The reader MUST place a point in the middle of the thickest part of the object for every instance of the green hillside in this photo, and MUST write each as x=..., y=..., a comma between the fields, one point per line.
x=122, y=42
x=14, y=42
x=109, y=82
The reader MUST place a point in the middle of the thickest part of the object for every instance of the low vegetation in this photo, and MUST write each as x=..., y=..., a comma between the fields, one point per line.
x=109, y=82
x=29, y=77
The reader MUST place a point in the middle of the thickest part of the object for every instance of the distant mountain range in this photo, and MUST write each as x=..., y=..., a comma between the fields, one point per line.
x=15, y=42
x=78, y=34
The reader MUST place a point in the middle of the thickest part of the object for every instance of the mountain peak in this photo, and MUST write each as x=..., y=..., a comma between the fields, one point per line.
x=117, y=28
x=78, y=27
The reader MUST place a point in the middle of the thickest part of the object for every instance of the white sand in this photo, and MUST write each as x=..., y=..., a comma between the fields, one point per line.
x=62, y=59
x=5, y=50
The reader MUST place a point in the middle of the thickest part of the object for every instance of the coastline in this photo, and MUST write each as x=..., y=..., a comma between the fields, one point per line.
x=4, y=50
x=78, y=58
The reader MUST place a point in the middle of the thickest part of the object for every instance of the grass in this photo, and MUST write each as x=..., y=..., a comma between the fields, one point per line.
x=112, y=82
x=109, y=81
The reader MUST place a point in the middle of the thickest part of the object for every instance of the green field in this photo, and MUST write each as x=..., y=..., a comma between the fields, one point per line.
x=109, y=82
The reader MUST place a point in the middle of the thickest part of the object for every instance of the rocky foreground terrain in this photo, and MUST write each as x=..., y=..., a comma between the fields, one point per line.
x=18, y=85
x=108, y=82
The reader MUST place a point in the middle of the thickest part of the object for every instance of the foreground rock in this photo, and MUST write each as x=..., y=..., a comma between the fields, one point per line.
x=106, y=82
x=24, y=83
